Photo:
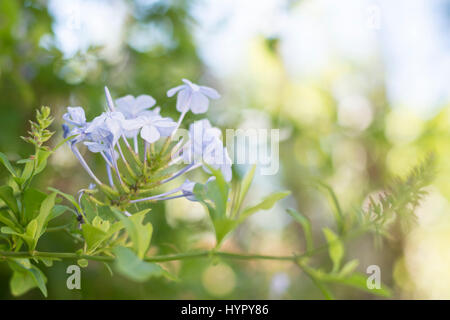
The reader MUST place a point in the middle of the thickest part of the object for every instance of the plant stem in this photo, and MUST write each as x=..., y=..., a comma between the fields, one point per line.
x=181, y=256
x=159, y=258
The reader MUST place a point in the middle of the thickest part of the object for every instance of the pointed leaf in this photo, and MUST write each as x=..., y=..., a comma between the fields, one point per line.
x=349, y=267
x=7, y=195
x=359, y=281
x=128, y=264
x=245, y=185
x=266, y=204
x=68, y=197
x=21, y=282
x=306, y=225
x=24, y=274
x=7, y=164
x=139, y=232
x=32, y=199
x=335, y=248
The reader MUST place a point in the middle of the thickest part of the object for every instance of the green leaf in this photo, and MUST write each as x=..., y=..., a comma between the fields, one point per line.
x=222, y=185
x=39, y=278
x=36, y=227
x=8, y=230
x=21, y=282
x=32, y=199
x=8, y=219
x=140, y=233
x=90, y=211
x=214, y=196
x=221, y=223
x=306, y=225
x=128, y=264
x=27, y=171
x=68, y=197
x=22, y=161
x=83, y=263
x=28, y=235
x=335, y=248
x=99, y=231
x=42, y=156
x=93, y=236
x=7, y=164
x=359, y=281
x=349, y=267
x=58, y=210
x=103, y=212
x=44, y=213
x=7, y=195
x=31, y=229
x=339, y=216
x=217, y=191
x=101, y=224
x=222, y=227
x=266, y=204
x=245, y=186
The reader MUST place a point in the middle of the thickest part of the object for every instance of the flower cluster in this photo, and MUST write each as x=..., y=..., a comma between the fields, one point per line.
x=134, y=171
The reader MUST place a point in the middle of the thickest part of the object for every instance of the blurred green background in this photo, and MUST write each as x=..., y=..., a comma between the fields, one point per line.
x=359, y=91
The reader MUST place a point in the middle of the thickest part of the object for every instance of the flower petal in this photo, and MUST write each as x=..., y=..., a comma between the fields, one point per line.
x=95, y=146
x=150, y=134
x=165, y=126
x=125, y=105
x=199, y=103
x=172, y=91
x=144, y=102
x=184, y=100
x=209, y=92
x=75, y=116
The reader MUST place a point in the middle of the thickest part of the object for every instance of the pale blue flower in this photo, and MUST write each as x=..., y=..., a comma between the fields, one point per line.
x=201, y=134
x=75, y=124
x=132, y=107
x=206, y=147
x=101, y=144
x=155, y=127
x=193, y=97
x=108, y=124
x=75, y=116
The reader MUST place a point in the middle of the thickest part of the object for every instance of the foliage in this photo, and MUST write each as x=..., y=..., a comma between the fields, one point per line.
x=28, y=211
x=397, y=204
x=106, y=232
x=320, y=146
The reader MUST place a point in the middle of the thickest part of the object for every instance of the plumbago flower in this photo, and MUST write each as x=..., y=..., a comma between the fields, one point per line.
x=193, y=97
x=135, y=108
x=205, y=147
x=132, y=107
x=154, y=127
x=133, y=173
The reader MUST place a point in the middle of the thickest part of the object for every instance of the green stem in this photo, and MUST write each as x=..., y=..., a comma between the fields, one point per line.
x=58, y=228
x=160, y=258
x=179, y=256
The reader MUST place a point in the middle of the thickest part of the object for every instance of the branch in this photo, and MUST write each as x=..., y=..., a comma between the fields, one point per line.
x=181, y=256
x=158, y=258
